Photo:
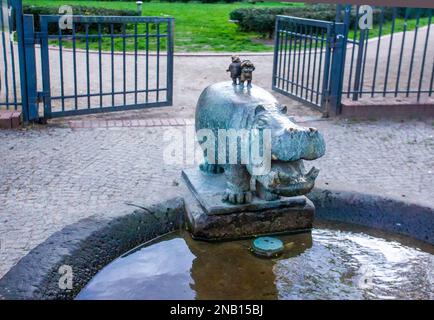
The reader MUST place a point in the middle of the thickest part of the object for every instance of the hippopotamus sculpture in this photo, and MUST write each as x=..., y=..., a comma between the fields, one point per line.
x=223, y=106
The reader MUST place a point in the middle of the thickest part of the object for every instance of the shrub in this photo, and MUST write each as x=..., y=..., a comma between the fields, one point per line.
x=262, y=20
x=78, y=11
x=204, y=1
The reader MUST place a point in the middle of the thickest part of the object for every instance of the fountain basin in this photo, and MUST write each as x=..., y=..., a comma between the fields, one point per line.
x=91, y=244
x=335, y=261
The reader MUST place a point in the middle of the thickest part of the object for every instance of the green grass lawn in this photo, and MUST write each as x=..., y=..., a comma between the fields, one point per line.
x=198, y=27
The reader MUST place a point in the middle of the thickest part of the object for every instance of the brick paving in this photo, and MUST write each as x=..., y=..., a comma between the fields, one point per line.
x=54, y=176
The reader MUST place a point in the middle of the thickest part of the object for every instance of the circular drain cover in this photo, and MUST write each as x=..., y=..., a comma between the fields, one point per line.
x=267, y=246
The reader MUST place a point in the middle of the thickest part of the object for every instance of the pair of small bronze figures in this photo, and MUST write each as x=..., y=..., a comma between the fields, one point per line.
x=241, y=71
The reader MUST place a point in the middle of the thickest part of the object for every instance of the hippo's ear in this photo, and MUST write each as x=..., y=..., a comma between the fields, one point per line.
x=283, y=109
x=259, y=109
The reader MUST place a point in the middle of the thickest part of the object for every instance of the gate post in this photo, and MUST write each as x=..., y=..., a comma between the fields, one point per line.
x=337, y=70
x=30, y=68
x=276, y=51
x=170, y=52
x=18, y=8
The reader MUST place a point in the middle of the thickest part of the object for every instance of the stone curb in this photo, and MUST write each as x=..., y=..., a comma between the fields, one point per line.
x=92, y=243
x=376, y=212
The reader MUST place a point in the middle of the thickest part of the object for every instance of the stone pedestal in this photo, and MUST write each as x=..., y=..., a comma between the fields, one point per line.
x=211, y=219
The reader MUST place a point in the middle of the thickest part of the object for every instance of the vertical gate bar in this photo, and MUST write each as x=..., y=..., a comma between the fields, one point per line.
x=124, y=59
x=350, y=78
x=424, y=56
x=432, y=81
x=283, y=36
x=386, y=78
x=29, y=71
x=19, y=19
x=358, y=71
x=304, y=60
x=87, y=65
x=280, y=46
x=112, y=51
x=309, y=62
x=158, y=61
x=135, y=63
x=11, y=43
x=276, y=51
x=325, y=83
x=100, y=63
x=412, y=52
x=289, y=56
x=147, y=61
x=45, y=67
x=294, y=57
x=362, y=81
x=401, y=54
x=1, y=24
x=6, y=71
x=74, y=63
x=299, y=32
x=170, y=61
x=347, y=26
x=62, y=87
x=314, y=64
x=380, y=34
x=318, y=93
x=285, y=59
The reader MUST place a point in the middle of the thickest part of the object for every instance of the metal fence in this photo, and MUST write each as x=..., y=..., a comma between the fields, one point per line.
x=11, y=53
x=393, y=59
x=96, y=64
x=325, y=63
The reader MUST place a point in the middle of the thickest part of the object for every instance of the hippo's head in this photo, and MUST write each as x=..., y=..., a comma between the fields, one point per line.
x=290, y=145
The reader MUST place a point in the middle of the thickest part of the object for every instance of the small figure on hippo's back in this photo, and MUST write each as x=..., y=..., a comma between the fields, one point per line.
x=247, y=69
x=235, y=70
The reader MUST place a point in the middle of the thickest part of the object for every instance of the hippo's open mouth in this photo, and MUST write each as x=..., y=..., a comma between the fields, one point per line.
x=289, y=179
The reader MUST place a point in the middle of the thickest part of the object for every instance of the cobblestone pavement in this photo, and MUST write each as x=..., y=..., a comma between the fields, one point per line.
x=51, y=177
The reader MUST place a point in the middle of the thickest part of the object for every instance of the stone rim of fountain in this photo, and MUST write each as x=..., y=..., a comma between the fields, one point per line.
x=92, y=243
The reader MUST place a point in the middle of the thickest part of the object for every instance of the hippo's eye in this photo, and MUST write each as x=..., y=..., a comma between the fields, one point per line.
x=261, y=123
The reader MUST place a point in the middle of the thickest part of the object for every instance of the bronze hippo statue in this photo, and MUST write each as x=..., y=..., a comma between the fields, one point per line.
x=224, y=107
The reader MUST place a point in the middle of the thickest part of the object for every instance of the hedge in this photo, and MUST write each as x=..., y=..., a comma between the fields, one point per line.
x=203, y=1
x=262, y=20
x=78, y=11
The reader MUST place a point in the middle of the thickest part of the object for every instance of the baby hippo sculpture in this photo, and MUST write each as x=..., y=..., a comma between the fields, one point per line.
x=223, y=107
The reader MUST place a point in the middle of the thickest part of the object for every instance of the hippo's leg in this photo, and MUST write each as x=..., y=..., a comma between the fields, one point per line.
x=264, y=193
x=237, y=185
x=210, y=168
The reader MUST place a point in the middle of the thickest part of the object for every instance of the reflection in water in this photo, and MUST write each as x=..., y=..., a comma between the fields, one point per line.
x=343, y=265
x=228, y=270
x=329, y=264
x=161, y=271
